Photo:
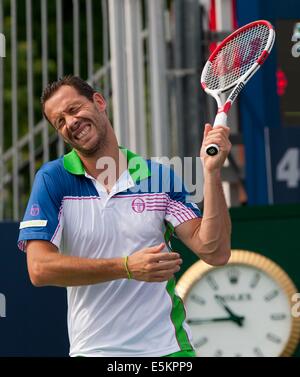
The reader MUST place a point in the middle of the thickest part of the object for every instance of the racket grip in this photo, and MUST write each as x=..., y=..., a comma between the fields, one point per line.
x=220, y=120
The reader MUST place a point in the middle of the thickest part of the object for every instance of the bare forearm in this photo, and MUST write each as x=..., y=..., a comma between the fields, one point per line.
x=209, y=237
x=65, y=271
x=47, y=266
x=216, y=224
x=224, y=209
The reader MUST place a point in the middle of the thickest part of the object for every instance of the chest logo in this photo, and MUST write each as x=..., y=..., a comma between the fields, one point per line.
x=138, y=205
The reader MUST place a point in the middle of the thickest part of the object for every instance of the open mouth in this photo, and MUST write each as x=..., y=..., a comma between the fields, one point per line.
x=83, y=132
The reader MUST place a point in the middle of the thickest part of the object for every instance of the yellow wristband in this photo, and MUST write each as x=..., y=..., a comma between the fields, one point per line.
x=126, y=267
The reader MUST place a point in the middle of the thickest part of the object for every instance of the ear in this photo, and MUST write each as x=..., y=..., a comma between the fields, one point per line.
x=100, y=101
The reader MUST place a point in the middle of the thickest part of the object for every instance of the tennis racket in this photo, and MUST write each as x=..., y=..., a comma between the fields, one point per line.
x=232, y=64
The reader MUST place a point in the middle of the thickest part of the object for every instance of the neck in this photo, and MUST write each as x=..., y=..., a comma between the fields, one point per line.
x=106, y=165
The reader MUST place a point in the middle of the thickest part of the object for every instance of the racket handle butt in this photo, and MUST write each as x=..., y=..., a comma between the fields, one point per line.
x=212, y=149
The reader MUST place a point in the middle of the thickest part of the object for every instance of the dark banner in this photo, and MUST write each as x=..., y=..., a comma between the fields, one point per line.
x=283, y=165
x=32, y=320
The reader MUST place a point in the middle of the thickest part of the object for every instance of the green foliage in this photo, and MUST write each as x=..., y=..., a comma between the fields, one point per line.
x=21, y=107
x=68, y=63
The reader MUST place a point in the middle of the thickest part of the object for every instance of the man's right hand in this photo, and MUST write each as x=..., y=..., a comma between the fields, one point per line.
x=151, y=265
x=47, y=266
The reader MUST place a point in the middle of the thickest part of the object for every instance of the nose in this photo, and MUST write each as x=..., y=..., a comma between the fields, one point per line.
x=72, y=122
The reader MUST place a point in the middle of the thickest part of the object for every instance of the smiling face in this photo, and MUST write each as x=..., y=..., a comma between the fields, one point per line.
x=81, y=122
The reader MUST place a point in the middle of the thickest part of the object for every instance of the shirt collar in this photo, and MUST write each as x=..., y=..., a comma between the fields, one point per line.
x=137, y=165
x=124, y=183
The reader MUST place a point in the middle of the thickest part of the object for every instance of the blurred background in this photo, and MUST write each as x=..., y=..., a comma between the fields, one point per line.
x=146, y=58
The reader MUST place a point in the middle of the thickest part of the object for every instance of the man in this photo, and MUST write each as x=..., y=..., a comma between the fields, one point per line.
x=95, y=224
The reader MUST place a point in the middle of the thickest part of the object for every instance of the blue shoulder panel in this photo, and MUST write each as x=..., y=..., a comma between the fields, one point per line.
x=52, y=183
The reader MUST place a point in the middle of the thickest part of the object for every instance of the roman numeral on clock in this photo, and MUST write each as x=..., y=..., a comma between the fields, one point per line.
x=258, y=352
x=201, y=342
x=212, y=283
x=233, y=275
x=255, y=280
x=268, y=297
x=218, y=353
x=273, y=338
x=278, y=316
x=199, y=300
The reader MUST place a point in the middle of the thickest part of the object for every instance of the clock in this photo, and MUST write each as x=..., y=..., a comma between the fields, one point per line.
x=240, y=309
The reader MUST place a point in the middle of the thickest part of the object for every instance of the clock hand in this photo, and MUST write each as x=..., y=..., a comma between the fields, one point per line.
x=235, y=318
x=221, y=302
x=239, y=320
x=226, y=307
x=200, y=321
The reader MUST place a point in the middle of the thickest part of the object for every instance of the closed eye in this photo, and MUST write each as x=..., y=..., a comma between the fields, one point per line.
x=59, y=123
x=73, y=109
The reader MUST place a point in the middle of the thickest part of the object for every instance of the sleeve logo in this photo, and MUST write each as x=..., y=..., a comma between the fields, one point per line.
x=34, y=210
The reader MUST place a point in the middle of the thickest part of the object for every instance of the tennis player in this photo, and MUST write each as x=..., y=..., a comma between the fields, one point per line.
x=96, y=221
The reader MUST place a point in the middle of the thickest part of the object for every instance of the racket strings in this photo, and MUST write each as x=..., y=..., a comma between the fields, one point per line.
x=236, y=57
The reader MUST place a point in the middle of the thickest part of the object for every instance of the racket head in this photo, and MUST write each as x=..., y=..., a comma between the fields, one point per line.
x=237, y=56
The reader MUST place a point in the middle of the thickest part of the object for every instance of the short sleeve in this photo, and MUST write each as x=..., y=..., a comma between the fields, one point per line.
x=179, y=209
x=43, y=219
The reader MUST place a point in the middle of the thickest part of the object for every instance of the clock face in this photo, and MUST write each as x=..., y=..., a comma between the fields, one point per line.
x=238, y=310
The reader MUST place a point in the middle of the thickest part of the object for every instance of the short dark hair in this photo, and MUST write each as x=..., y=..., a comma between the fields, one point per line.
x=82, y=87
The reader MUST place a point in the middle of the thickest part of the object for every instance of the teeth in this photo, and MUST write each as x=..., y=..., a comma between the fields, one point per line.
x=83, y=132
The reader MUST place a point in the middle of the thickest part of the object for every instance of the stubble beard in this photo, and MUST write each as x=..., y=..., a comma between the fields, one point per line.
x=99, y=144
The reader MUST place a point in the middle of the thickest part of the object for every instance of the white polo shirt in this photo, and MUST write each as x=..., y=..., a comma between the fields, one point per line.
x=73, y=211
